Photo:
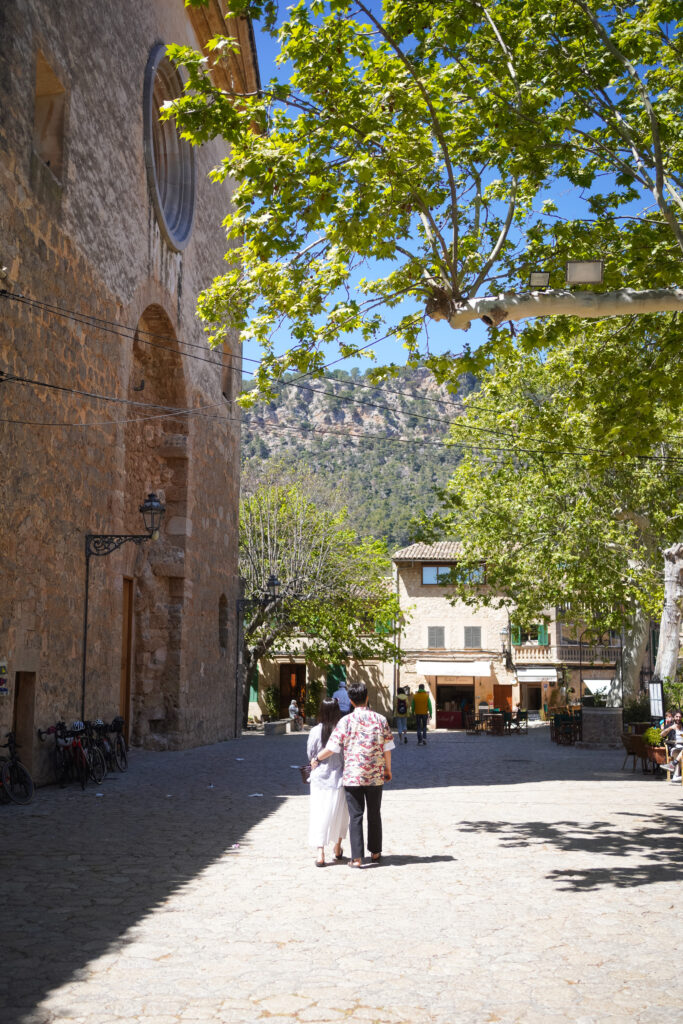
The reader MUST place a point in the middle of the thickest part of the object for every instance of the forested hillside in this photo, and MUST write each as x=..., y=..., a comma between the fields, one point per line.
x=379, y=445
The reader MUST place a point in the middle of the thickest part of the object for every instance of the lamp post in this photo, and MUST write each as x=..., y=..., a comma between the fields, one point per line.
x=100, y=544
x=269, y=595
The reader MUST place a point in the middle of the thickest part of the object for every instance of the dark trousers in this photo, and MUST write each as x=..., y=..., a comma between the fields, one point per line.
x=357, y=798
x=421, y=727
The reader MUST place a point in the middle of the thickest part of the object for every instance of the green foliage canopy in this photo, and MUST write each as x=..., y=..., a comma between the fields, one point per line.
x=414, y=157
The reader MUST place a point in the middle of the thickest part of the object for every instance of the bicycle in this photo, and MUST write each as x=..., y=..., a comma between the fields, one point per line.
x=119, y=744
x=16, y=780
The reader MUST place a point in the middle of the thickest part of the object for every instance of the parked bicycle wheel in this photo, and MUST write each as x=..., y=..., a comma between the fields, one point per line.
x=17, y=782
x=4, y=795
x=97, y=765
x=120, y=752
x=61, y=767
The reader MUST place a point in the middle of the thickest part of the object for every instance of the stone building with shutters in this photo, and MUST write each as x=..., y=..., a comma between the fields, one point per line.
x=467, y=655
x=109, y=228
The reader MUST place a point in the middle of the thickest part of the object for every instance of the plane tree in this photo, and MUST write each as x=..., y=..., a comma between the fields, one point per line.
x=558, y=518
x=423, y=157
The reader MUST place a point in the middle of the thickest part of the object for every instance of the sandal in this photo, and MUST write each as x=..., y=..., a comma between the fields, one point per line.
x=320, y=863
x=355, y=863
x=340, y=855
x=375, y=858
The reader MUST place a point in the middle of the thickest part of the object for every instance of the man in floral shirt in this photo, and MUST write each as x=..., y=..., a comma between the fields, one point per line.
x=365, y=740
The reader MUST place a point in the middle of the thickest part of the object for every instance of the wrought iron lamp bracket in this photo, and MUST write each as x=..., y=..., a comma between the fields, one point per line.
x=105, y=543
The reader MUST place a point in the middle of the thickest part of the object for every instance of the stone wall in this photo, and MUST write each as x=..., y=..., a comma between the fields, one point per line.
x=87, y=245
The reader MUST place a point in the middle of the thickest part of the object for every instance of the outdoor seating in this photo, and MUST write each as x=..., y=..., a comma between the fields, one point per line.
x=635, y=748
x=520, y=723
x=471, y=724
x=496, y=724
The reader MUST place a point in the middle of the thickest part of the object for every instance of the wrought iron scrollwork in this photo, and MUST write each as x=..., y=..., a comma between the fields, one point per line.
x=105, y=543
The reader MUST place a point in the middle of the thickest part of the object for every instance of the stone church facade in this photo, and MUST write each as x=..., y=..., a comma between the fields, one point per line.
x=109, y=228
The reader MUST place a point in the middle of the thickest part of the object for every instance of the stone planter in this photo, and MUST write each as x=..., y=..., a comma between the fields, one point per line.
x=601, y=728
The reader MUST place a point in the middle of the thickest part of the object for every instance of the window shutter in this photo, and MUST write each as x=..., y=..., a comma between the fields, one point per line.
x=436, y=636
x=543, y=638
x=515, y=635
x=253, y=687
x=473, y=636
x=336, y=674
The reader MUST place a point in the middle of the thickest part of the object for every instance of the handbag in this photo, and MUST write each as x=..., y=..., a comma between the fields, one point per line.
x=305, y=770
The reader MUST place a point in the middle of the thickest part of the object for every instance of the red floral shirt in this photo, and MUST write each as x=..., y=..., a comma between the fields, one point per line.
x=362, y=737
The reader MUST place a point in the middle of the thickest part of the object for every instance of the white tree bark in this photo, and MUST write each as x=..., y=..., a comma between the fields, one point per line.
x=634, y=640
x=497, y=309
x=672, y=613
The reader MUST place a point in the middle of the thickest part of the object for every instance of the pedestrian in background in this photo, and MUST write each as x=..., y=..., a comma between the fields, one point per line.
x=329, y=816
x=422, y=709
x=341, y=696
x=365, y=740
x=401, y=714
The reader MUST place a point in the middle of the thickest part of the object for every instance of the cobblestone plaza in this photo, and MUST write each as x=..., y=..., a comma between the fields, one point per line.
x=521, y=882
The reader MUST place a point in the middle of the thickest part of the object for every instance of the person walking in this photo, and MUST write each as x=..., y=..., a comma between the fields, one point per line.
x=329, y=817
x=422, y=709
x=401, y=714
x=341, y=695
x=365, y=740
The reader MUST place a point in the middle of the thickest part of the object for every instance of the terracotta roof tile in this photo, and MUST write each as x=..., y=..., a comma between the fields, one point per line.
x=442, y=551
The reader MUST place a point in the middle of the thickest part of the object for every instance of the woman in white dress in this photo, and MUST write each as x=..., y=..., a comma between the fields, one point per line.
x=329, y=818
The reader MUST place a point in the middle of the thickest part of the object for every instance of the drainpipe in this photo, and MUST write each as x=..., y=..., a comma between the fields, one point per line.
x=397, y=639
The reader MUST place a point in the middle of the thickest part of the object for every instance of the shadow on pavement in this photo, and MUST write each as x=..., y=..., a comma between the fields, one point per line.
x=79, y=870
x=655, y=848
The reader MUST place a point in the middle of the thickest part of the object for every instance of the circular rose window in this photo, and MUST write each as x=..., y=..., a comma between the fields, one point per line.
x=170, y=159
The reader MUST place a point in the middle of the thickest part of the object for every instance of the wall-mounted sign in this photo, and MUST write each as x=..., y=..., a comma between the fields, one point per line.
x=4, y=684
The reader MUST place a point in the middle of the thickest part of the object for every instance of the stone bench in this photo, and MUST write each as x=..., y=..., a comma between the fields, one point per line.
x=277, y=727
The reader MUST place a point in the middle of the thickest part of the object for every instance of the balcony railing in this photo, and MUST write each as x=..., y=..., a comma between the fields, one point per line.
x=568, y=654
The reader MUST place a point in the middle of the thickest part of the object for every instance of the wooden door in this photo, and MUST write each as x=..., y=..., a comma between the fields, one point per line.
x=292, y=685
x=126, y=654
x=502, y=697
x=24, y=713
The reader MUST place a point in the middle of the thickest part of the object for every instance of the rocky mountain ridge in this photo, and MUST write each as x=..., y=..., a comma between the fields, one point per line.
x=381, y=444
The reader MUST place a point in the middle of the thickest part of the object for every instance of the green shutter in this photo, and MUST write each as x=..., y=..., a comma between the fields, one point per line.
x=516, y=635
x=253, y=686
x=336, y=674
x=384, y=627
x=543, y=638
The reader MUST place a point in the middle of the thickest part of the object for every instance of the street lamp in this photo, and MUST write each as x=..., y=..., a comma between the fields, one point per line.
x=100, y=544
x=504, y=639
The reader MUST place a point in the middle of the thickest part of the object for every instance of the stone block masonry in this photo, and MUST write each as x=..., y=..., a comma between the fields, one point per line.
x=98, y=301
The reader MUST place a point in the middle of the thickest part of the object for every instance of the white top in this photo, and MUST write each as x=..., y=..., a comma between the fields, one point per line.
x=328, y=774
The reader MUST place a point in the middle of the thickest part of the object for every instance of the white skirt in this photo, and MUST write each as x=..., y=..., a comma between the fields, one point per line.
x=329, y=817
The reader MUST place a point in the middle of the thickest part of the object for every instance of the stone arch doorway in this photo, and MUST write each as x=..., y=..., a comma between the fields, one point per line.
x=156, y=459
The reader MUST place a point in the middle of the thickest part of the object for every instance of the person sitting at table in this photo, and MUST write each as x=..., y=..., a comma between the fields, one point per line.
x=677, y=750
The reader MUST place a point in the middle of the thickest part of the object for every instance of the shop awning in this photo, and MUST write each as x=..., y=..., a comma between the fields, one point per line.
x=453, y=668
x=537, y=675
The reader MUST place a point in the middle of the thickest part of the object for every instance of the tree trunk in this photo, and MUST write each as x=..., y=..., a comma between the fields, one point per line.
x=497, y=309
x=634, y=640
x=672, y=612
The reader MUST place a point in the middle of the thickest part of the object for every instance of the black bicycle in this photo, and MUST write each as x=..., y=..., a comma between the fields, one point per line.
x=15, y=778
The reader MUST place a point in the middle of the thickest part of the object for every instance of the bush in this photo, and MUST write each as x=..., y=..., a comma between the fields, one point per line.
x=638, y=708
x=271, y=699
x=313, y=697
x=653, y=737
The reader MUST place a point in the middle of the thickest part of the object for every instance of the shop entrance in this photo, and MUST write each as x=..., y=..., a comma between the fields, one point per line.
x=453, y=701
x=533, y=698
x=292, y=685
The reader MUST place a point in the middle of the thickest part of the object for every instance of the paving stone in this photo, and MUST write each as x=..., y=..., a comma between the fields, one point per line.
x=520, y=883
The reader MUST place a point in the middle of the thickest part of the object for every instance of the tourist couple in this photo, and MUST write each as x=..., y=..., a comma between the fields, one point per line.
x=350, y=758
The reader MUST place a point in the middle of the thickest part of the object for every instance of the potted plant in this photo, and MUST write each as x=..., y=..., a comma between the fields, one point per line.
x=656, y=752
x=271, y=698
